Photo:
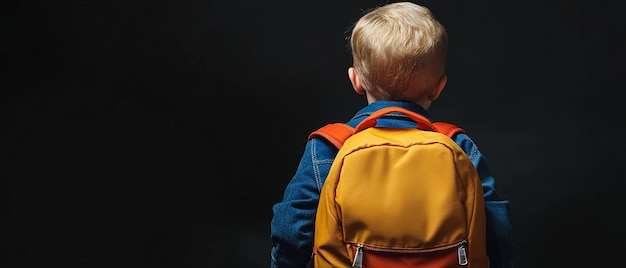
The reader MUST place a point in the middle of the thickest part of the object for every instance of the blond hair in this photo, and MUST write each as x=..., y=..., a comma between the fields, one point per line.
x=399, y=51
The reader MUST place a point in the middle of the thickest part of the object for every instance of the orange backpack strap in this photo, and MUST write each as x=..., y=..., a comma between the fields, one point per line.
x=445, y=128
x=448, y=129
x=370, y=121
x=335, y=133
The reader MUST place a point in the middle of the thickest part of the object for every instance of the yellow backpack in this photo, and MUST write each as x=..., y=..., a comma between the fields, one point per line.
x=399, y=197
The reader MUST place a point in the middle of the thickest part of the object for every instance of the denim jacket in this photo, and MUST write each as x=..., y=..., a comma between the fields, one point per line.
x=293, y=222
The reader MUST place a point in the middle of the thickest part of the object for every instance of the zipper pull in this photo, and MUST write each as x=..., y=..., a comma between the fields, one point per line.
x=358, y=257
x=462, y=255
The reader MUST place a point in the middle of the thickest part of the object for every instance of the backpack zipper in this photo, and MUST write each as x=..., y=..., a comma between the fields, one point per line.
x=358, y=256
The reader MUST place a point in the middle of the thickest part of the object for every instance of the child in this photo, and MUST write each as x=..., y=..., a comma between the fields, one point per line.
x=399, y=55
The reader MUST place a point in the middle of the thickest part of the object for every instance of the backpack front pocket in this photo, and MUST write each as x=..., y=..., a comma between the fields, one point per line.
x=446, y=256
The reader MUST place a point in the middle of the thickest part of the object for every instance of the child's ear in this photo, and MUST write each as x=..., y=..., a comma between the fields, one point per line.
x=437, y=91
x=354, y=79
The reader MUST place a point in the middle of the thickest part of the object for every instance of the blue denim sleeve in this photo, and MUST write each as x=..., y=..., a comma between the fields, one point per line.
x=293, y=221
x=499, y=239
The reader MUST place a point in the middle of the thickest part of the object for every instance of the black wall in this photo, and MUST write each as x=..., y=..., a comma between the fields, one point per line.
x=160, y=133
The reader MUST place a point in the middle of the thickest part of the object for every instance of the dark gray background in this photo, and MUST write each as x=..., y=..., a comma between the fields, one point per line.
x=160, y=133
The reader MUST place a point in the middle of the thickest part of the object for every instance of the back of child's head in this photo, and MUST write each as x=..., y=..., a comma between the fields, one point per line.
x=399, y=51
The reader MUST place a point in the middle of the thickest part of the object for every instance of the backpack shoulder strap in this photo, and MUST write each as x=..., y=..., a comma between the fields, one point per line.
x=335, y=133
x=448, y=129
